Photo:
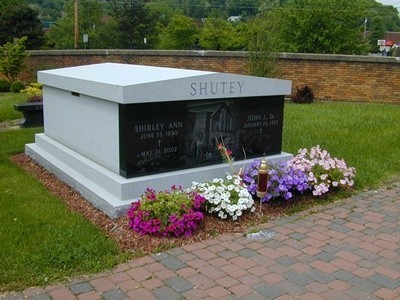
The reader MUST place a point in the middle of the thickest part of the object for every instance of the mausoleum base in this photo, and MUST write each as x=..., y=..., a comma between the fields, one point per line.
x=109, y=191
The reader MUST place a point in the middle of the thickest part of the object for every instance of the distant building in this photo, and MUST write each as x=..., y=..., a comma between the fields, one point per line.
x=234, y=18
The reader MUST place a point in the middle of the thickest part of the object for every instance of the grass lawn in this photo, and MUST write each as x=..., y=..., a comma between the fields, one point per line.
x=366, y=136
x=42, y=241
x=7, y=101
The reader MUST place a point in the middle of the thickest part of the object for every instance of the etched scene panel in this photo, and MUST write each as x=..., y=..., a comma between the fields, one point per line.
x=184, y=134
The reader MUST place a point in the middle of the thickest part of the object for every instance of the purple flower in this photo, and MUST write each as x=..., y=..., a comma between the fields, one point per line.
x=283, y=180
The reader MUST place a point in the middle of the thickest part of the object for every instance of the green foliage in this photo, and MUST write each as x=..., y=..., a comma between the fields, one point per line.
x=180, y=33
x=18, y=20
x=12, y=58
x=303, y=94
x=218, y=34
x=4, y=86
x=319, y=26
x=89, y=22
x=262, y=59
x=134, y=23
x=17, y=86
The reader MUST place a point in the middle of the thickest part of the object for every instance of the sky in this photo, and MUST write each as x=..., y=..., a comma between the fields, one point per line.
x=395, y=3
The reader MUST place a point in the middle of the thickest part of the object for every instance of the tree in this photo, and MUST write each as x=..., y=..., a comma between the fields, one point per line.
x=101, y=34
x=218, y=34
x=18, y=20
x=135, y=24
x=261, y=50
x=319, y=26
x=180, y=33
x=12, y=58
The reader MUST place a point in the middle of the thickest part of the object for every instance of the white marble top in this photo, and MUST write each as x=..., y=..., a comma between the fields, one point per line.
x=124, y=83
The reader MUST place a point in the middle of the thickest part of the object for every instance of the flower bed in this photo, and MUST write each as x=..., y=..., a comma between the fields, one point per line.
x=179, y=212
x=174, y=212
x=228, y=197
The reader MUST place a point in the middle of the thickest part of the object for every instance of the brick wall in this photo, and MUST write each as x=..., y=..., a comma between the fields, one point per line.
x=333, y=77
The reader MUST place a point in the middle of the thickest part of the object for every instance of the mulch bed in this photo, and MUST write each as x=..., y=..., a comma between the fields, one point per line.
x=129, y=240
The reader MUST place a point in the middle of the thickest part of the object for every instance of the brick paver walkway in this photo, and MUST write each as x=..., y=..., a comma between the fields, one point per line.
x=346, y=250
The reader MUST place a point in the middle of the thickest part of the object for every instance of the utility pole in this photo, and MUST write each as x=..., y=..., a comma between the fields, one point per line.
x=76, y=24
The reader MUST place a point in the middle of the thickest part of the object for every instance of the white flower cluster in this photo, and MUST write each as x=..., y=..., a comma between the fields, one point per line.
x=226, y=197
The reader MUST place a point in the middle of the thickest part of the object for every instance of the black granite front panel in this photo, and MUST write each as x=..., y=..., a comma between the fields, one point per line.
x=159, y=137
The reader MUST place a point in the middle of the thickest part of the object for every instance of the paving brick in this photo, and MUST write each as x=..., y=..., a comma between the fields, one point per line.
x=270, y=253
x=298, y=278
x=259, y=271
x=152, y=283
x=227, y=281
x=385, y=281
x=218, y=262
x=194, y=294
x=267, y=290
x=357, y=293
x=186, y=257
x=227, y=254
x=179, y=284
x=247, y=253
x=343, y=264
x=272, y=278
x=165, y=293
x=233, y=271
x=164, y=274
x=201, y=281
x=139, y=274
x=362, y=272
x=364, y=284
x=92, y=295
x=128, y=285
x=242, y=262
x=197, y=263
x=62, y=293
x=186, y=272
x=384, y=293
x=217, y=292
x=316, y=287
x=338, y=285
x=154, y=267
x=263, y=260
x=114, y=295
x=250, y=279
x=139, y=262
x=80, y=288
x=320, y=276
x=173, y=263
x=204, y=254
x=286, y=261
x=291, y=288
x=119, y=277
x=386, y=271
x=103, y=285
x=241, y=290
x=325, y=267
x=33, y=291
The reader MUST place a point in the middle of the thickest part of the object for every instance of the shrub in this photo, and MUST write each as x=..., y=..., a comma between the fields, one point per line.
x=304, y=94
x=227, y=197
x=4, y=86
x=33, y=88
x=12, y=58
x=174, y=212
x=283, y=180
x=17, y=86
x=35, y=98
